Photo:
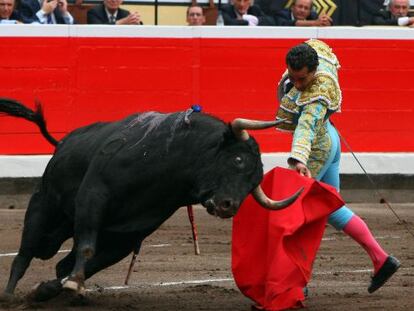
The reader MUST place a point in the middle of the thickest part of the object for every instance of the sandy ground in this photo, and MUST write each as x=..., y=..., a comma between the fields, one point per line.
x=168, y=276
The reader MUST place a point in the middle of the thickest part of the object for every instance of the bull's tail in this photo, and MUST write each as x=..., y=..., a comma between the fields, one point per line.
x=13, y=108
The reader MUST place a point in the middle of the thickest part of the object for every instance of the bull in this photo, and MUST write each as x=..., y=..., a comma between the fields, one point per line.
x=111, y=184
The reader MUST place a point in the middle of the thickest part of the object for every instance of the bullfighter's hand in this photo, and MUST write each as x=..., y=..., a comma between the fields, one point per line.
x=302, y=169
x=299, y=167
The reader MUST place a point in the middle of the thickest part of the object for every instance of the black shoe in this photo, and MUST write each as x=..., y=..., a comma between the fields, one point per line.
x=389, y=267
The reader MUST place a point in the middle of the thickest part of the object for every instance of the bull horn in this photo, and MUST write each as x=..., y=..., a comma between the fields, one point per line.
x=239, y=126
x=268, y=203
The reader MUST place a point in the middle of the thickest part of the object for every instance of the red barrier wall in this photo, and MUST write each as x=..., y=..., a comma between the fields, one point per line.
x=85, y=79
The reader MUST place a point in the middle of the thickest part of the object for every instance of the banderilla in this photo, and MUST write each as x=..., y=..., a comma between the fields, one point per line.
x=376, y=191
x=190, y=213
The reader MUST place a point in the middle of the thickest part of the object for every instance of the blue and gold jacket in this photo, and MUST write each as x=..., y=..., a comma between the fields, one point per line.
x=307, y=112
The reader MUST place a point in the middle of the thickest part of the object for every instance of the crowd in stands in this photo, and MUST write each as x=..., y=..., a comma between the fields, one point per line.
x=235, y=13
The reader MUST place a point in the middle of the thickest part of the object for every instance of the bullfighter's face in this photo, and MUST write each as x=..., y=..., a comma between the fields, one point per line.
x=301, y=78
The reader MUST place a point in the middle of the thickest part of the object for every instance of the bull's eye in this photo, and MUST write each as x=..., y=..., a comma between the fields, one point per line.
x=238, y=161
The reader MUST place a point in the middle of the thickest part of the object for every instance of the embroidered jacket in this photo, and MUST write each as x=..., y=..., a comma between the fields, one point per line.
x=307, y=112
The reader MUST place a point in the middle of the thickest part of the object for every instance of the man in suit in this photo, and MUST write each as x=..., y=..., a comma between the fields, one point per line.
x=110, y=13
x=395, y=15
x=243, y=13
x=8, y=14
x=301, y=14
x=45, y=12
x=195, y=16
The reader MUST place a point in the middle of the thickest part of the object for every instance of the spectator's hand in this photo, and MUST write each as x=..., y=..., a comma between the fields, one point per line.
x=132, y=19
x=411, y=22
x=63, y=6
x=324, y=20
x=49, y=6
x=251, y=19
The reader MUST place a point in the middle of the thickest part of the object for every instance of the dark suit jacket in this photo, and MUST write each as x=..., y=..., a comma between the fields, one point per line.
x=29, y=8
x=284, y=17
x=384, y=18
x=230, y=17
x=270, y=7
x=97, y=15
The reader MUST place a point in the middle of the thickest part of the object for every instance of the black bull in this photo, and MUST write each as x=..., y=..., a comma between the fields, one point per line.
x=111, y=184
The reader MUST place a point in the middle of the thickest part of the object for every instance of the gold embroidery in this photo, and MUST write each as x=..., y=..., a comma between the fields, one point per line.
x=324, y=89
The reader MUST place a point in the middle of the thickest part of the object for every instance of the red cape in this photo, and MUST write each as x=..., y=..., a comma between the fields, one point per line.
x=273, y=251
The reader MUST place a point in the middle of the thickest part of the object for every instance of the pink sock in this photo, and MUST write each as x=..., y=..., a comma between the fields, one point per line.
x=359, y=231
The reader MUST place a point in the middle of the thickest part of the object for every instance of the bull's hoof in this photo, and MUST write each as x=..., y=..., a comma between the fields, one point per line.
x=45, y=291
x=74, y=287
x=6, y=297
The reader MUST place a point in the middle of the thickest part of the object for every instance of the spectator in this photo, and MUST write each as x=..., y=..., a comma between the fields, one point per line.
x=301, y=14
x=270, y=7
x=396, y=14
x=8, y=14
x=45, y=12
x=195, y=16
x=243, y=13
x=109, y=12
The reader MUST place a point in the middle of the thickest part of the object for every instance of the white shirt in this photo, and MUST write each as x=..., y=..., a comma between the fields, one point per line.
x=42, y=16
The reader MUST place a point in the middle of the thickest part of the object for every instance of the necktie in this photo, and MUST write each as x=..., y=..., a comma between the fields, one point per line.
x=112, y=19
x=49, y=19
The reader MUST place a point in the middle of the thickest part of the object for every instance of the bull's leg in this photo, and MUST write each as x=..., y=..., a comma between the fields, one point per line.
x=65, y=265
x=49, y=289
x=112, y=252
x=109, y=251
x=52, y=242
x=33, y=229
x=90, y=206
x=19, y=266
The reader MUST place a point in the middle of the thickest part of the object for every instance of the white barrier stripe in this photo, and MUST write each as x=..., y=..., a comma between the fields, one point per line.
x=233, y=32
x=14, y=166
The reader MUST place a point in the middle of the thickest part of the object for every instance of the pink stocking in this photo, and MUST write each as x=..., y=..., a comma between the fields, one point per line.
x=357, y=229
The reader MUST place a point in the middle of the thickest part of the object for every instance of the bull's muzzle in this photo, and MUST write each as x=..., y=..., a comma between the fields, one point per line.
x=225, y=208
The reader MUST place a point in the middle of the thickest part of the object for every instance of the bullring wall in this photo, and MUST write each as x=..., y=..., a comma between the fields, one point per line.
x=84, y=74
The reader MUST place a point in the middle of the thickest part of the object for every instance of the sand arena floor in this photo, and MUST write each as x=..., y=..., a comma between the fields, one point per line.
x=168, y=276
